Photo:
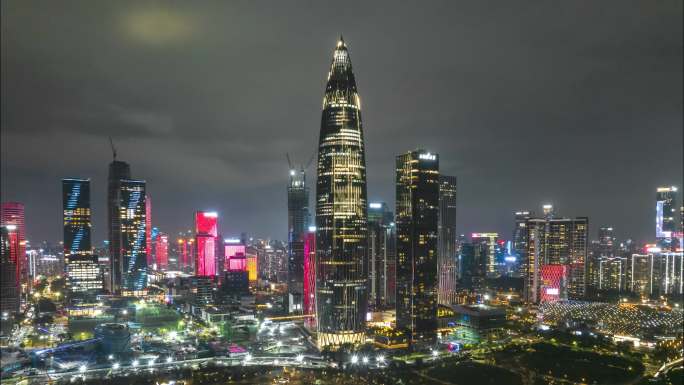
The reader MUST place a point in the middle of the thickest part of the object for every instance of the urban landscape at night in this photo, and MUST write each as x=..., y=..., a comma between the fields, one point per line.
x=508, y=211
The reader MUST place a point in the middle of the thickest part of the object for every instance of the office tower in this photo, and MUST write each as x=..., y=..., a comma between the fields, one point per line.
x=297, y=222
x=551, y=241
x=417, y=217
x=612, y=273
x=82, y=266
x=161, y=250
x=133, y=267
x=520, y=238
x=666, y=201
x=446, y=240
x=607, y=244
x=206, y=233
x=148, y=231
x=118, y=171
x=309, y=300
x=381, y=232
x=12, y=217
x=489, y=240
x=473, y=265
x=341, y=204
x=9, y=286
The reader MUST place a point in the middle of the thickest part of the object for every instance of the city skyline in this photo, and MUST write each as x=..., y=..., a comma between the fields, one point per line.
x=472, y=122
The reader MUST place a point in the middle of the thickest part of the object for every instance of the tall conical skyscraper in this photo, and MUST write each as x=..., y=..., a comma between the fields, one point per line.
x=341, y=210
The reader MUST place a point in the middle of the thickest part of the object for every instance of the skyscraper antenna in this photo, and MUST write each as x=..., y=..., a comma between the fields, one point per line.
x=111, y=143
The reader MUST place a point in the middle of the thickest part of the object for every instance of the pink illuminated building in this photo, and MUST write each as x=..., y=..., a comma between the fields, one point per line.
x=12, y=216
x=553, y=282
x=206, y=231
x=310, y=276
x=233, y=248
x=162, y=250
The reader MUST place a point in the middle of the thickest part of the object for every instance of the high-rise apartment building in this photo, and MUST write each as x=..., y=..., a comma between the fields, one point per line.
x=446, y=240
x=555, y=241
x=341, y=204
x=161, y=250
x=82, y=265
x=417, y=218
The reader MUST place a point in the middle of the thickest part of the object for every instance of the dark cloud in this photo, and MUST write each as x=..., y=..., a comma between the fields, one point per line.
x=576, y=103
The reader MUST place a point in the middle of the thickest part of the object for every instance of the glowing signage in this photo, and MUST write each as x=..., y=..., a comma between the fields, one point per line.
x=232, y=240
x=510, y=258
x=375, y=205
x=659, y=220
x=551, y=291
x=312, y=229
x=427, y=156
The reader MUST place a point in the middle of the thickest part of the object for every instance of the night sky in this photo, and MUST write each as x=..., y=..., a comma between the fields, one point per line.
x=575, y=103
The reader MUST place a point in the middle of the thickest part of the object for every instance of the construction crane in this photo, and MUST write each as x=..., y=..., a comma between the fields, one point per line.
x=111, y=143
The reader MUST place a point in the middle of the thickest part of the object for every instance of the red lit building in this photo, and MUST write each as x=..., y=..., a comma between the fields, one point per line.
x=12, y=217
x=162, y=251
x=206, y=231
x=554, y=282
x=310, y=276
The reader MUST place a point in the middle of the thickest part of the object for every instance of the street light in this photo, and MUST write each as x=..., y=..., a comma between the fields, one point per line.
x=135, y=363
x=300, y=357
x=116, y=365
x=354, y=359
x=365, y=360
x=435, y=353
x=169, y=359
x=380, y=359
x=82, y=368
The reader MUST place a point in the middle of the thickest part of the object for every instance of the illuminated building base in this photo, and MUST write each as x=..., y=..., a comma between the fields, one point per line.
x=337, y=339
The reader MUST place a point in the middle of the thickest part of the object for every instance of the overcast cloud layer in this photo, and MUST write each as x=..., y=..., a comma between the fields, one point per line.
x=577, y=103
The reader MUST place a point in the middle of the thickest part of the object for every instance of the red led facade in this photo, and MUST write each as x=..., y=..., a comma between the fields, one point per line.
x=12, y=216
x=310, y=275
x=162, y=251
x=553, y=282
x=206, y=230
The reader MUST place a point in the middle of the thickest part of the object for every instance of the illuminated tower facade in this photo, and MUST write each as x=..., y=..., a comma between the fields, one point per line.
x=417, y=217
x=341, y=210
x=9, y=287
x=666, y=223
x=446, y=240
x=489, y=242
x=309, y=300
x=133, y=267
x=206, y=233
x=297, y=222
x=161, y=248
x=82, y=267
x=148, y=231
x=118, y=171
x=12, y=217
x=381, y=255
